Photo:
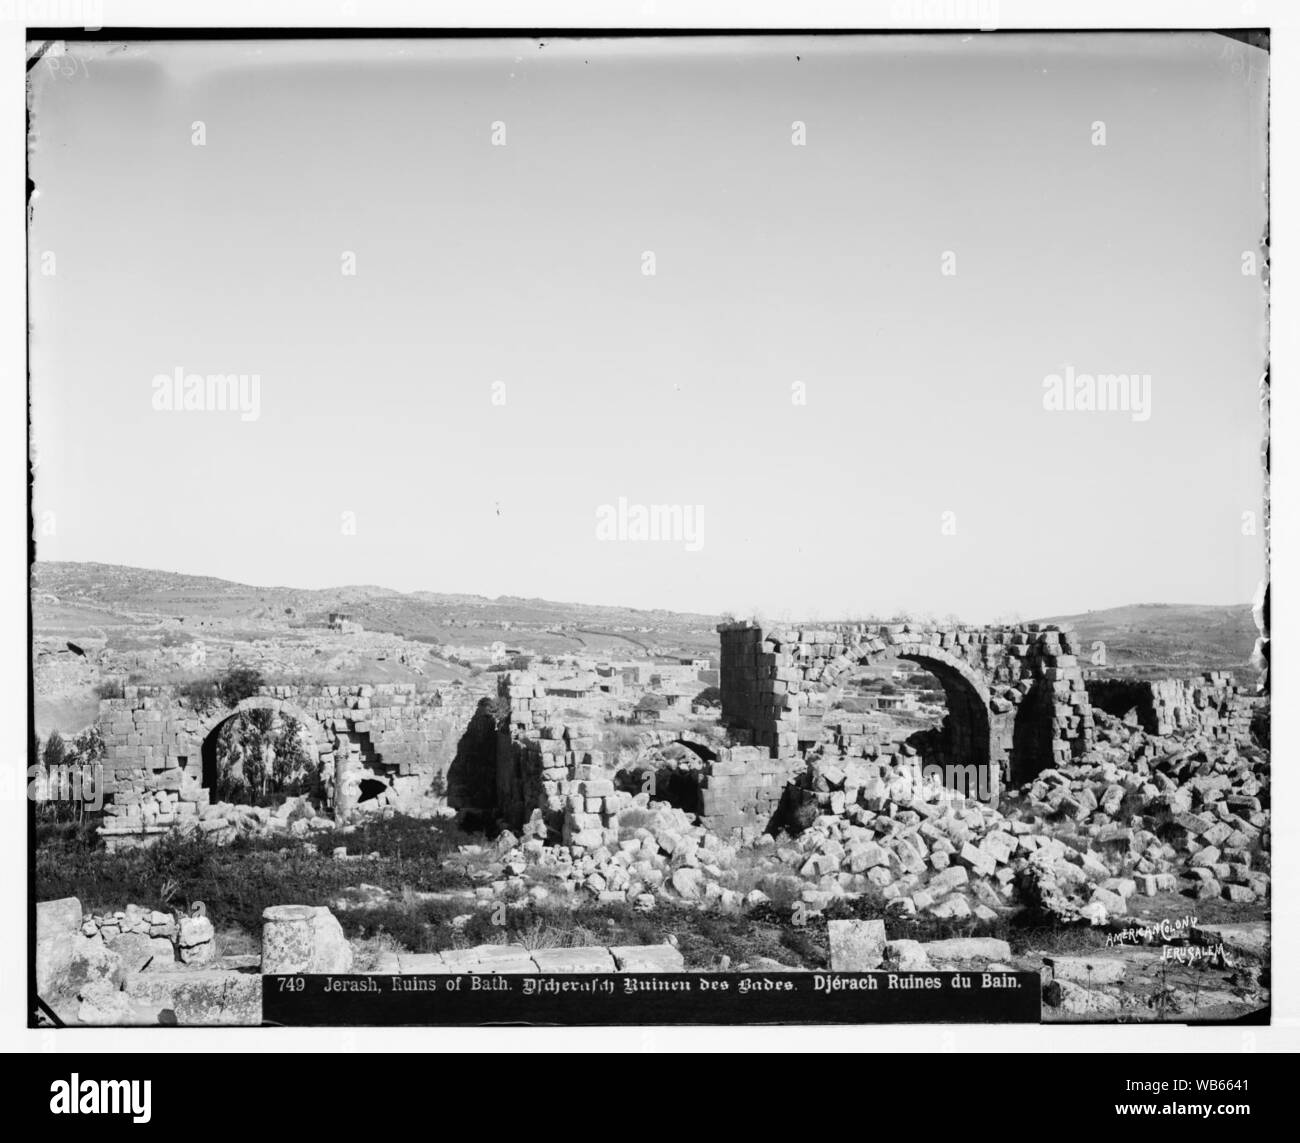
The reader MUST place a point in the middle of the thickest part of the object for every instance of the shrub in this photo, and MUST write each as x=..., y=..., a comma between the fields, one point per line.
x=111, y=689
x=238, y=683
x=202, y=694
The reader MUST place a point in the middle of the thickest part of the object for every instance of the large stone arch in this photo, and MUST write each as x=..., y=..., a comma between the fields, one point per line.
x=969, y=728
x=205, y=739
x=1015, y=693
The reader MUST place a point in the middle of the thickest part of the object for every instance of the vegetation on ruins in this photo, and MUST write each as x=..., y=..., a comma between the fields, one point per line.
x=230, y=688
x=261, y=757
x=56, y=760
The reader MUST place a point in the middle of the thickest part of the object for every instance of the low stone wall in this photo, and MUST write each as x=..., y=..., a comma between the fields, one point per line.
x=1213, y=704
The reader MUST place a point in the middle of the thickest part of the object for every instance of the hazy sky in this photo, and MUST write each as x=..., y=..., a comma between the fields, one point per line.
x=521, y=266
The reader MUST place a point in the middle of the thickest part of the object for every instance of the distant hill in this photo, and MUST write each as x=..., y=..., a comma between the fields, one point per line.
x=1169, y=638
x=107, y=599
x=109, y=595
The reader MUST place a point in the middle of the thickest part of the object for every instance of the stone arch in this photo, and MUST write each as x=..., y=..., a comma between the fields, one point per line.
x=701, y=748
x=207, y=736
x=969, y=728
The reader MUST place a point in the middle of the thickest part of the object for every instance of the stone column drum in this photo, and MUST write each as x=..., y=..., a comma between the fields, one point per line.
x=303, y=938
x=288, y=938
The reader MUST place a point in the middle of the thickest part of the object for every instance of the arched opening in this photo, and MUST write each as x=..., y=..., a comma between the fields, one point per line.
x=260, y=754
x=963, y=737
x=669, y=773
x=1031, y=744
x=920, y=703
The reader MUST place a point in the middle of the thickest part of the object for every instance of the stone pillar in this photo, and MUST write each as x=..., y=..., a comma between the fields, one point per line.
x=288, y=938
x=342, y=794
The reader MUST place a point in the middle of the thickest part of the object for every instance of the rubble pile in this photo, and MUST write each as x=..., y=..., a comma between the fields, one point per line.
x=1137, y=814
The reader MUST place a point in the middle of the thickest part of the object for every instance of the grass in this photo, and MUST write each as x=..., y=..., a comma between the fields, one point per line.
x=237, y=881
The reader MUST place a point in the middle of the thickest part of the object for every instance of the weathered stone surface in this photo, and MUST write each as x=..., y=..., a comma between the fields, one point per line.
x=1077, y=1000
x=1250, y=938
x=647, y=958
x=856, y=946
x=907, y=956
x=489, y=958
x=164, y=954
x=421, y=964
x=589, y=959
x=967, y=948
x=66, y=962
x=199, y=997
x=948, y=880
x=60, y=916
x=1086, y=970
x=196, y=942
x=104, y=1003
x=688, y=882
x=303, y=938
x=135, y=949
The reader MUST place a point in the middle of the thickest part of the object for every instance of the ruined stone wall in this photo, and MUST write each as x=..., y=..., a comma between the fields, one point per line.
x=1213, y=704
x=391, y=733
x=1016, y=697
x=554, y=767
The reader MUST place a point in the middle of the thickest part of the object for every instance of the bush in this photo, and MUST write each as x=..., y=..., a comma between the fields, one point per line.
x=709, y=696
x=238, y=683
x=111, y=689
x=201, y=694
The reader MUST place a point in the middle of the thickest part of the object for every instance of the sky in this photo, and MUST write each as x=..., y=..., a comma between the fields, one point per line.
x=433, y=256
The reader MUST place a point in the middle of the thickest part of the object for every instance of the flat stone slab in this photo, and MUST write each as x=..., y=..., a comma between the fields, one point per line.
x=647, y=958
x=589, y=959
x=1086, y=970
x=967, y=948
x=489, y=958
x=422, y=964
x=200, y=997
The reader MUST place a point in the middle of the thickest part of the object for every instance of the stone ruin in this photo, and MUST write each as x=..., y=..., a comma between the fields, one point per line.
x=1018, y=703
x=377, y=746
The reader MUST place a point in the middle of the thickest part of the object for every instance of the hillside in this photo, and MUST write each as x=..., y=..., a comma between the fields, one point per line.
x=1169, y=638
x=73, y=597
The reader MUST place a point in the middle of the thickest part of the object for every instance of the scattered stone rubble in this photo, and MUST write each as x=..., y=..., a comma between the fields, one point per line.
x=1138, y=814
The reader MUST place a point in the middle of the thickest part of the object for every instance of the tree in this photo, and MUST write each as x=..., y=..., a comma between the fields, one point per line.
x=709, y=696
x=238, y=683
x=55, y=752
x=260, y=755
